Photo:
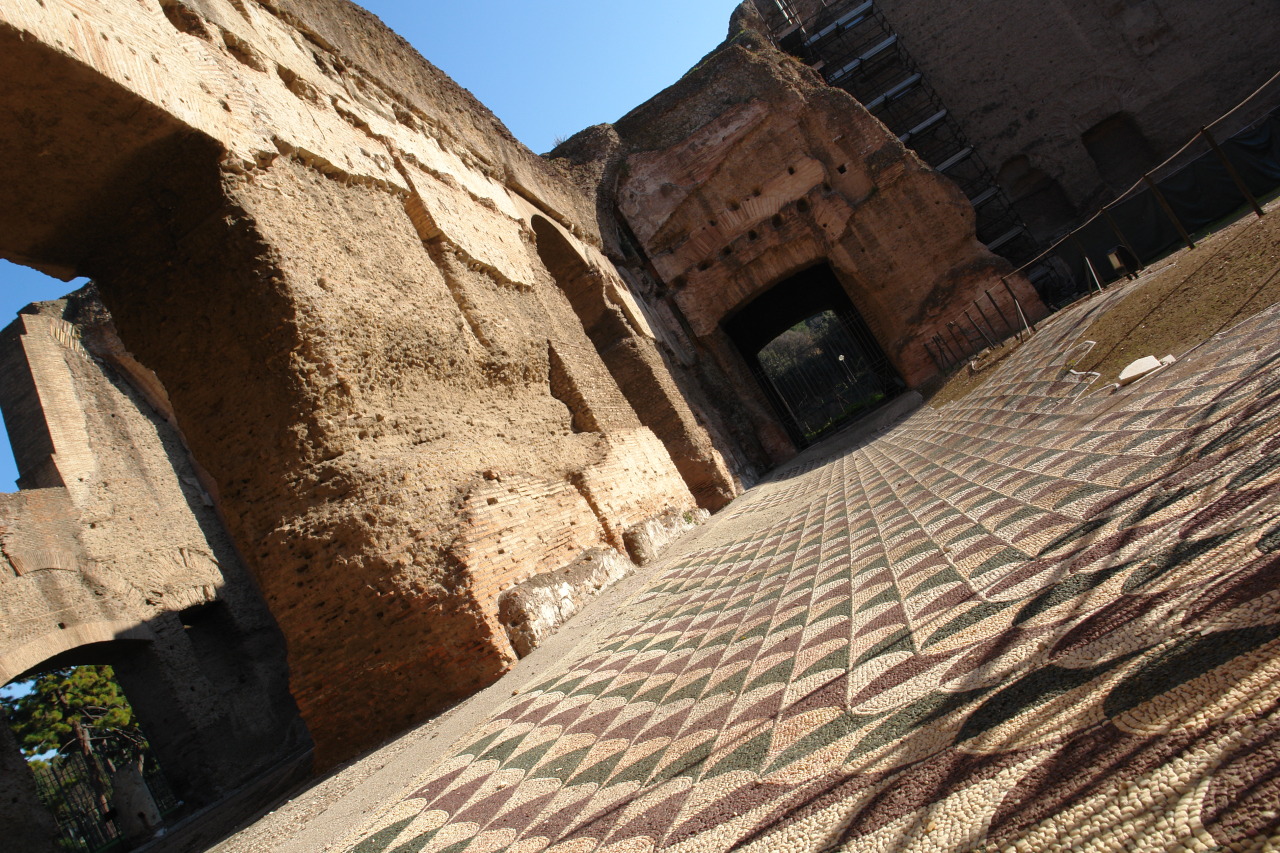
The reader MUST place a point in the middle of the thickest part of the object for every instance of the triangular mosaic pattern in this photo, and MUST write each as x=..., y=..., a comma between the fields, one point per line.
x=1031, y=620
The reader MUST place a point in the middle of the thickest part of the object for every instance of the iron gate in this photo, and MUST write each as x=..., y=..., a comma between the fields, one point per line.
x=64, y=786
x=842, y=375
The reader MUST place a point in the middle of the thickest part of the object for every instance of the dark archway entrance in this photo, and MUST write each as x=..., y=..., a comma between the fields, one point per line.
x=92, y=766
x=813, y=355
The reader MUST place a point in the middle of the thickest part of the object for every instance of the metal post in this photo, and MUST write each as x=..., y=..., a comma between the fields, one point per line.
x=1088, y=263
x=1231, y=170
x=1018, y=305
x=782, y=398
x=937, y=362
x=986, y=319
x=1124, y=241
x=939, y=341
x=990, y=342
x=1000, y=311
x=961, y=344
x=1093, y=272
x=1168, y=211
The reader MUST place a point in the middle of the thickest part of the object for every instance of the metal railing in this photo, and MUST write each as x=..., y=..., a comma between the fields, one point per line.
x=1187, y=193
x=842, y=375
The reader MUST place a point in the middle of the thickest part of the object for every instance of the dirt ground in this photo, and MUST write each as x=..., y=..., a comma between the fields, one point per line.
x=1177, y=303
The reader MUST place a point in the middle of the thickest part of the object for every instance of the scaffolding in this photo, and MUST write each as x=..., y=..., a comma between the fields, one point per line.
x=853, y=47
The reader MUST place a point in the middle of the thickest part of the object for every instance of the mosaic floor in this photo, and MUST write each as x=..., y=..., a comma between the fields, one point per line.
x=1031, y=621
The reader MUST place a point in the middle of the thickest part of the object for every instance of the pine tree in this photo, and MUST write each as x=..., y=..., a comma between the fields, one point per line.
x=79, y=709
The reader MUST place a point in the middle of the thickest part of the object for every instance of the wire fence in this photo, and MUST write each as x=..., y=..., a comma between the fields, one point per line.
x=983, y=324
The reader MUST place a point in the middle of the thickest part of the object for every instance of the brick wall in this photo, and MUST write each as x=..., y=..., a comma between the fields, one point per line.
x=516, y=527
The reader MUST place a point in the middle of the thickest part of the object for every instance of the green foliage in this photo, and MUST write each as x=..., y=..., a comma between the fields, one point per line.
x=797, y=344
x=46, y=718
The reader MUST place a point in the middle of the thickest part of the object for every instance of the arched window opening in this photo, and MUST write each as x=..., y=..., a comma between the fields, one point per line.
x=813, y=355
x=1120, y=151
x=93, y=767
x=1038, y=198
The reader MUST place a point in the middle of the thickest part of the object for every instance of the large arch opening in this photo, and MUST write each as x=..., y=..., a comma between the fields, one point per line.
x=94, y=770
x=813, y=355
x=138, y=215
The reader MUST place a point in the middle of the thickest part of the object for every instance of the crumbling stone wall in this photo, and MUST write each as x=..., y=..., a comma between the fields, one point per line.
x=1172, y=65
x=415, y=365
x=750, y=170
x=335, y=261
x=113, y=553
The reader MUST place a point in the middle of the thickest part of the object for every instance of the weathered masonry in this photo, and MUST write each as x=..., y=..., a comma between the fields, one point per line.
x=112, y=553
x=705, y=237
x=1060, y=105
x=356, y=363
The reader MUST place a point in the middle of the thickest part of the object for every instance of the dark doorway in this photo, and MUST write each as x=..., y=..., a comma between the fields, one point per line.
x=813, y=355
x=1037, y=198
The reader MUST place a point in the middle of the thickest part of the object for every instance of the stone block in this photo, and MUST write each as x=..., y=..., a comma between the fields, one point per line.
x=1138, y=369
x=533, y=610
x=647, y=540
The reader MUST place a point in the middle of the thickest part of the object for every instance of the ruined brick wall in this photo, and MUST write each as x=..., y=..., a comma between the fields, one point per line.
x=1029, y=81
x=27, y=824
x=414, y=364
x=327, y=253
x=749, y=171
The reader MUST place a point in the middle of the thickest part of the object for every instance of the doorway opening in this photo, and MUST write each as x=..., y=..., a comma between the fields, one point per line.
x=93, y=767
x=813, y=355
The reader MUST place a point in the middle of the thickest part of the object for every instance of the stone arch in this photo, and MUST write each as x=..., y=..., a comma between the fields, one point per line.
x=149, y=668
x=54, y=644
x=132, y=655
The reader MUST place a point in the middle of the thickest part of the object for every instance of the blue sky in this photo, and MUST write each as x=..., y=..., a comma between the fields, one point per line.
x=547, y=68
